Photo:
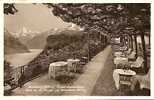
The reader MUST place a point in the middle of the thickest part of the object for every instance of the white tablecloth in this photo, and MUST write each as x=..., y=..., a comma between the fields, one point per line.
x=120, y=60
x=73, y=60
x=54, y=67
x=72, y=64
x=132, y=55
x=116, y=73
x=60, y=63
x=117, y=54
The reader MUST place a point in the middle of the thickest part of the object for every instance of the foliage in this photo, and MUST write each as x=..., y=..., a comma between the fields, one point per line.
x=7, y=70
x=105, y=18
x=108, y=18
x=61, y=47
x=9, y=8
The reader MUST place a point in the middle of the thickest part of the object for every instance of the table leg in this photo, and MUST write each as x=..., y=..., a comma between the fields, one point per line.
x=49, y=74
x=54, y=72
x=75, y=67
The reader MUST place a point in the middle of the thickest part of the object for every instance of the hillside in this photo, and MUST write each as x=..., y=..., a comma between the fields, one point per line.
x=13, y=45
x=60, y=47
x=39, y=41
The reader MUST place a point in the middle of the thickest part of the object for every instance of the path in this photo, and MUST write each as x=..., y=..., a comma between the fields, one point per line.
x=105, y=84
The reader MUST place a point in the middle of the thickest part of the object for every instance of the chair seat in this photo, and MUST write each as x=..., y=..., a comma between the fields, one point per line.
x=144, y=80
x=125, y=82
x=132, y=55
x=119, y=60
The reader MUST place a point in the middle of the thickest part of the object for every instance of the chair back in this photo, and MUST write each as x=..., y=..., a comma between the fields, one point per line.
x=129, y=51
x=117, y=54
x=147, y=76
x=139, y=61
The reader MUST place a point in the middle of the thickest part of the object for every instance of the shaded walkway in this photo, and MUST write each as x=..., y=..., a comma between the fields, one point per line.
x=105, y=84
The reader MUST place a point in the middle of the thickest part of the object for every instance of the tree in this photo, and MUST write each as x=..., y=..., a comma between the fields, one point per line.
x=108, y=19
x=7, y=71
x=9, y=9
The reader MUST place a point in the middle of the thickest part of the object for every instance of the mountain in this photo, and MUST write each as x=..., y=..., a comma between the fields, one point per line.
x=24, y=35
x=39, y=41
x=65, y=45
x=24, y=32
x=12, y=44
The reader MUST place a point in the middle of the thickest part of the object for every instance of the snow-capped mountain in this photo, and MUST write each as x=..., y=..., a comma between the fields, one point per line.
x=24, y=32
x=74, y=27
x=41, y=38
x=12, y=44
x=35, y=39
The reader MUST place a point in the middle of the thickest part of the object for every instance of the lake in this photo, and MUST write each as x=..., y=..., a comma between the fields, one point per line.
x=19, y=59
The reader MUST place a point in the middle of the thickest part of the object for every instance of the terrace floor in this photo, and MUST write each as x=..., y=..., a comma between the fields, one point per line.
x=105, y=84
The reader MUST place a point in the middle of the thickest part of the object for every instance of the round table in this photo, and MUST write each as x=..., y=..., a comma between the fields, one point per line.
x=120, y=60
x=55, y=67
x=118, y=72
x=126, y=72
x=73, y=64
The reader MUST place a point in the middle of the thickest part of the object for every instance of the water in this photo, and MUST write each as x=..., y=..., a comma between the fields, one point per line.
x=20, y=59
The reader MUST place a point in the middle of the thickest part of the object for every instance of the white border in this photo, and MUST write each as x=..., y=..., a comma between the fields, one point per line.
x=1, y=48
x=72, y=97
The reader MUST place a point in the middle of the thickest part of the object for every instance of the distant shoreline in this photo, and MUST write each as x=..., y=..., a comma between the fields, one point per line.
x=19, y=59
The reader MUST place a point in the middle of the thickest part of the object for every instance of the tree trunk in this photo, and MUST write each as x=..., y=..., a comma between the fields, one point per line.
x=88, y=47
x=131, y=41
x=100, y=37
x=149, y=40
x=104, y=40
x=144, y=52
x=128, y=40
x=135, y=39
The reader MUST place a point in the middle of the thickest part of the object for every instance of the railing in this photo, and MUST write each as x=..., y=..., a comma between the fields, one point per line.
x=23, y=74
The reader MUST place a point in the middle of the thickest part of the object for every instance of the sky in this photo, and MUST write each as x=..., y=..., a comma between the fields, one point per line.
x=33, y=17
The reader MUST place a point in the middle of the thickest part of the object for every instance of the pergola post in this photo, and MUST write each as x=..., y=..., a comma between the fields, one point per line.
x=131, y=41
x=105, y=40
x=144, y=51
x=149, y=40
x=135, y=38
x=88, y=47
